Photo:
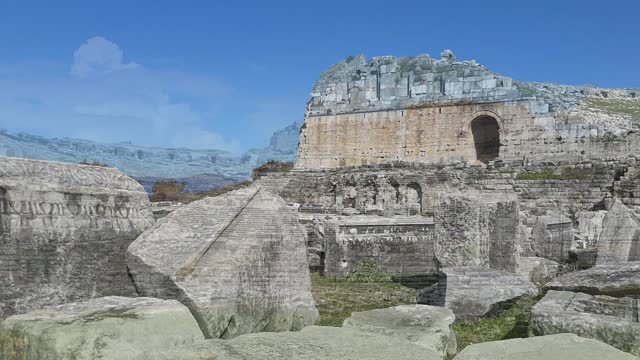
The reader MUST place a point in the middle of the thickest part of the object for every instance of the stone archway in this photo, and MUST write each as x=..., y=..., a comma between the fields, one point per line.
x=486, y=138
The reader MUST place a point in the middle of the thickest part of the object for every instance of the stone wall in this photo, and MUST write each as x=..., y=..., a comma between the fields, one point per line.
x=64, y=230
x=424, y=110
x=396, y=245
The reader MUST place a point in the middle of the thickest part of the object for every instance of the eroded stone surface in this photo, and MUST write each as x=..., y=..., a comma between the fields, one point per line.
x=622, y=279
x=312, y=343
x=238, y=261
x=423, y=325
x=104, y=328
x=477, y=230
x=608, y=319
x=552, y=347
x=620, y=236
x=475, y=292
x=64, y=229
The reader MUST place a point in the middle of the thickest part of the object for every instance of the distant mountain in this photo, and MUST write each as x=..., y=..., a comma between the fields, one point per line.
x=198, y=168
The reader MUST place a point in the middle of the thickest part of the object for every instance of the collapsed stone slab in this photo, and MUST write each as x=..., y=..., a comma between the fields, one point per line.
x=423, y=325
x=475, y=292
x=620, y=237
x=552, y=347
x=611, y=320
x=312, y=343
x=617, y=280
x=105, y=328
x=238, y=261
x=64, y=230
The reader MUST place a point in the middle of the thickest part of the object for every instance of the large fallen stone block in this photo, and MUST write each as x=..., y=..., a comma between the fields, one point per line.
x=617, y=280
x=552, y=237
x=538, y=270
x=424, y=325
x=312, y=343
x=608, y=319
x=104, y=328
x=620, y=237
x=552, y=347
x=64, y=230
x=238, y=261
x=475, y=292
x=477, y=230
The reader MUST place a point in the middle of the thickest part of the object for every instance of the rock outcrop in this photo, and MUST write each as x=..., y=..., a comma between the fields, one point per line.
x=611, y=320
x=620, y=236
x=238, y=261
x=622, y=279
x=312, y=343
x=110, y=328
x=552, y=347
x=64, y=229
x=475, y=292
x=423, y=325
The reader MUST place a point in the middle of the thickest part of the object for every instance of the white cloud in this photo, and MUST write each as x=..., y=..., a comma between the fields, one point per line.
x=143, y=105
x=99, y=55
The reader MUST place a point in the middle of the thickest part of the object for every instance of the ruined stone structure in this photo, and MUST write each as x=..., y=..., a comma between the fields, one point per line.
x=64, y=230
x=425, y=110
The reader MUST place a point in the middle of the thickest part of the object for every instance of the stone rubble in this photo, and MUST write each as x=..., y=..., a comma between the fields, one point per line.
x=474, y=292
x=109, y=328
x=237, y=261
x=613, y=321
x=551, y=347
x=64, y=229
x=622, y=279
x=423, y=325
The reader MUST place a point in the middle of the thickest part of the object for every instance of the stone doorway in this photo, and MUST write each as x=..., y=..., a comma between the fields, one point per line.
x=486, y=137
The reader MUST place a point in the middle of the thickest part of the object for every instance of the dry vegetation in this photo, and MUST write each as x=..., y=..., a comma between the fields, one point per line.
x=174, y=191
x=616, y=106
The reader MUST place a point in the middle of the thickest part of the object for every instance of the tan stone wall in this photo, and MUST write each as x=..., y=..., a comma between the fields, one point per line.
x=426, y=134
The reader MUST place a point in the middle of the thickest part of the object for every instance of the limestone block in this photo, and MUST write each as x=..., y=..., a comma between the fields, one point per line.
x=590, y=225
x=64, y=229
x=312, y=343
x=475, y=292
x=621, y=279
x=552, y=237
x=613, y=321
x=552, y=347
x=423, y=325
x=620, y=236
x=238, y=261
x=104, y=328
x=538, y=270
x=477, y=230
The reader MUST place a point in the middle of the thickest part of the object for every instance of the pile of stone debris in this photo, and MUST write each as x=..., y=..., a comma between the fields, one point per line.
x=86, y=273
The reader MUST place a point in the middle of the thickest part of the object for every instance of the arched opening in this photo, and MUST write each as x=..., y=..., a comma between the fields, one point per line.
x=414, y=199
x=486, y=137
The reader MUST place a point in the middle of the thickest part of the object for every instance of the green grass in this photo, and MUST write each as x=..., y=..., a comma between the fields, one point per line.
x=337, y=298
x=510, y=324
x=616, y=106
x=567, y=173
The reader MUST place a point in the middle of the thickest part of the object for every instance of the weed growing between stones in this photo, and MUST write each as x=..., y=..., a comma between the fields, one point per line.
x=513, y=323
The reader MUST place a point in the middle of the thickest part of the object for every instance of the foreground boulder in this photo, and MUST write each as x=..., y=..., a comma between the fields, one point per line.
x=238, y=261
x=64, y=230
x=620, y=237
x=312, y=343
x=621, y=279
x=611, y=320
x=104, y=328
x=552, y=347
x=476, y=292
x=424, y=325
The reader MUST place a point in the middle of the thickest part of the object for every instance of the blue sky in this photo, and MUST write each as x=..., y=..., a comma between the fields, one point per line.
x=223, y=74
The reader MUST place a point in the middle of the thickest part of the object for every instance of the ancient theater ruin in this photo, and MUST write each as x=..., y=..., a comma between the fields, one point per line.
x=441, y=167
